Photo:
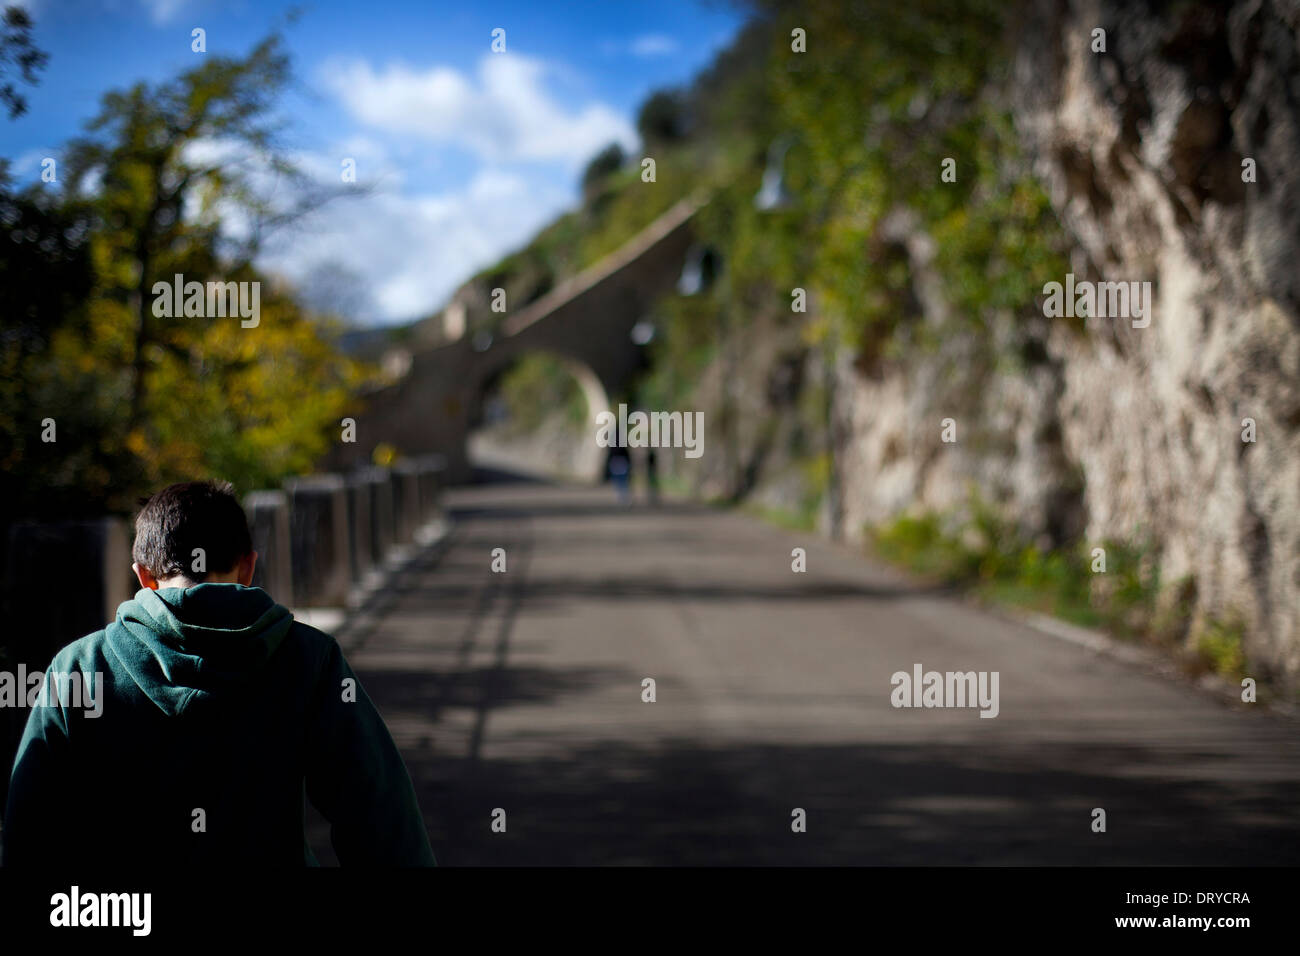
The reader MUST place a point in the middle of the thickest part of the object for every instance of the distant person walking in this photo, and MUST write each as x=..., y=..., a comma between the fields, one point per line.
x=651, y=476
x=214, y=712
x=618, y=469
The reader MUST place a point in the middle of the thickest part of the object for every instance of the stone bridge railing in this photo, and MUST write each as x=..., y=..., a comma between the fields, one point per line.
x=323, y=542
x=587, y=320
x=320, y=541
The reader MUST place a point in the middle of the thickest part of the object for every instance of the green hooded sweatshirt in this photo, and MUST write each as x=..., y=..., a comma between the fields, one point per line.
x=216, y=711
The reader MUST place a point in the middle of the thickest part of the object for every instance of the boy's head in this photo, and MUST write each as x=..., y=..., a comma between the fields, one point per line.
x=193, y=533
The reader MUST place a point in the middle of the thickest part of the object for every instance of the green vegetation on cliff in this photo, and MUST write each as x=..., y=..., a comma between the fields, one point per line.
x=859, y=128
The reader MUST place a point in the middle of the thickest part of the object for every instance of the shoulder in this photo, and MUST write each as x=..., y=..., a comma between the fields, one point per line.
x=312, y=638
x=310, y=644
x=88, y=653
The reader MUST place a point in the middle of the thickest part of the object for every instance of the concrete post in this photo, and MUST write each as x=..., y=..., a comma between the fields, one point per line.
x=268, y=523
x=40, y=614
x=318, y=530
x=406, y=501
x=62, y=580
x=361, y=539
x=432, y=471
x=381, y=511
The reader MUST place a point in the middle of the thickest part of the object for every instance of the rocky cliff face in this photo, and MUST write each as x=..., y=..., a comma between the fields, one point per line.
x=1120, y=432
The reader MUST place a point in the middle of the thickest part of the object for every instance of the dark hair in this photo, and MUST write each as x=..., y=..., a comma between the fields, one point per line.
x=180, y=518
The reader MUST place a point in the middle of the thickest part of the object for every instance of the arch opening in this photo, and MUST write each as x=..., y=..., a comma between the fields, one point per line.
x=534, y=413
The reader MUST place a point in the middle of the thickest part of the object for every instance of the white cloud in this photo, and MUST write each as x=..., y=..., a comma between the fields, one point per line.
x=408, y=251
x=374, y=167
x=653, y=44
x=162, y=11
x=503, y=113
x=410, y=244
x=414, y=251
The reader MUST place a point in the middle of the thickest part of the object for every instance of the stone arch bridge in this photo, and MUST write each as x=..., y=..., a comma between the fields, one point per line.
x=586, y=321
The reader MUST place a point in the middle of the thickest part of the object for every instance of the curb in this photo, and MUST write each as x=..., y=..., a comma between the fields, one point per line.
x=1213, y=685
x=366, y=596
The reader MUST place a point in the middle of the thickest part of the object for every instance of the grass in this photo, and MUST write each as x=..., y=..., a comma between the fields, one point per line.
x=986, y=557
x=1220, y=648
x=679, y=487
x=804, y=519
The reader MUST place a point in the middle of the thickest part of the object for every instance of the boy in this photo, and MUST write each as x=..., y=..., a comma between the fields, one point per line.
x=212, y=711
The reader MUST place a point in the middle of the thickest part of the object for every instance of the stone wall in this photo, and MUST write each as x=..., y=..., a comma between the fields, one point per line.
x=1142, y=150
x=1120, y=432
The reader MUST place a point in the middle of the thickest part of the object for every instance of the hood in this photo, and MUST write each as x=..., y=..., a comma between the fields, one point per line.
x=180, y=645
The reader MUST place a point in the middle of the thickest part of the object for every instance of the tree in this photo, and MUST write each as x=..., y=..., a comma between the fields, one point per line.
x=662, y=119
x=17, y=54
x=603, y=165
x=168, y=168
x=45, y=279
x=151, y=191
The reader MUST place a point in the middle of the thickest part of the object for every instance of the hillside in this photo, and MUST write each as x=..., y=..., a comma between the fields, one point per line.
x=923, y=301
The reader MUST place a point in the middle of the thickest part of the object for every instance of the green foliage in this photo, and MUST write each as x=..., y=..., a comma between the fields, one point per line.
x=1220, y=647
x=858, y=128
x=45, y=277
x=629, y=206
x=141, y=400
x=872, y=117
x=603, y=165
x=662, y=119
x=535, y=387
x=918, y=542
x=687, y=340
x=816, y=468
x=804, y=519
x=19, y=55
x=868, y=117
x=980, y=552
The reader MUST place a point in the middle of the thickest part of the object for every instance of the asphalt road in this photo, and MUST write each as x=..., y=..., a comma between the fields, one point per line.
x=523, y=691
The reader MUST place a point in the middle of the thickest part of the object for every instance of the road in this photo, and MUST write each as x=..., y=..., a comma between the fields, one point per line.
x=522, y=691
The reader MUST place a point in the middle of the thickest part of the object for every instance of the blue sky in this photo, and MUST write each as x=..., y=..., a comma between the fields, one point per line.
x=468, y=152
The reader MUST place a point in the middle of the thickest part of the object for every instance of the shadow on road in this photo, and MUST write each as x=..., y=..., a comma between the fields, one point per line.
x=678, y=803
x=587, y=799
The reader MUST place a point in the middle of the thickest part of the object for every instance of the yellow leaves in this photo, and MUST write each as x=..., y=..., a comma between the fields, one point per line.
x=136, y=443
x=249, y=404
